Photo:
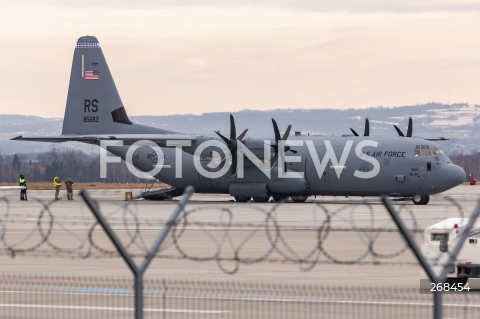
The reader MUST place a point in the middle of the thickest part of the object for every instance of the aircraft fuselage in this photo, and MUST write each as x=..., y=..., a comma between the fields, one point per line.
x=348, y=166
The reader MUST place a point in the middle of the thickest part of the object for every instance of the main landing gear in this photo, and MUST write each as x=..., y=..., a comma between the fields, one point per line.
x=420, y=200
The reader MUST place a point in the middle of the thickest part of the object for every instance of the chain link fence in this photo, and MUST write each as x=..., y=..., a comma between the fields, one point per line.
x=34, y=296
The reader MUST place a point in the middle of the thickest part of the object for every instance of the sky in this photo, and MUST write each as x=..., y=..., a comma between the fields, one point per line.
x=193, y=57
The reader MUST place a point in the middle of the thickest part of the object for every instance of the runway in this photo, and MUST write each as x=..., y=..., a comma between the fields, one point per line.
x=225, y=241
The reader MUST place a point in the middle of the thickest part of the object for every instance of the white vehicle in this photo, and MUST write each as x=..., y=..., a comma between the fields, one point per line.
x=440, y=238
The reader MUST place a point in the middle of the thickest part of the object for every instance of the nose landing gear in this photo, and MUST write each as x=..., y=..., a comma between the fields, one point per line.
x=420, y=199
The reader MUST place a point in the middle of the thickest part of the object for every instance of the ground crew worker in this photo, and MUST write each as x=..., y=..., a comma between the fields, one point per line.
x=69, y=186
x=23, y=192
x=57, y=183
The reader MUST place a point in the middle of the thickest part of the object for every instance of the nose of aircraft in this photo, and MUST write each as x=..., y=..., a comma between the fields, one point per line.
x=456, y=175
x=449, y=176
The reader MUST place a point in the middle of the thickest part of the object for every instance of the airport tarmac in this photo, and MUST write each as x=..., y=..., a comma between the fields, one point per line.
x=329, y=257
x=256, y=241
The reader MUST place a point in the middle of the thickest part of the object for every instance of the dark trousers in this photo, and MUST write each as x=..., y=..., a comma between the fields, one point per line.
x=23, y=194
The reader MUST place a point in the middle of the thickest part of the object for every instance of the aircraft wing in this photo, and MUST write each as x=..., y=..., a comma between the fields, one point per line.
x=127, y=139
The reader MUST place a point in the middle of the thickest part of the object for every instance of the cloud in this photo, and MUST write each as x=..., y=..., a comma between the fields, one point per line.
x=353, y=6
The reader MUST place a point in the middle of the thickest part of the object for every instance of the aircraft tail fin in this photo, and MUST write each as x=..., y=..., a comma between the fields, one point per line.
x=93, y=103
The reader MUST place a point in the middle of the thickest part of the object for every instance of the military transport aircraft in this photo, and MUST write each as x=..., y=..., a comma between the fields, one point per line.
x=246, y=167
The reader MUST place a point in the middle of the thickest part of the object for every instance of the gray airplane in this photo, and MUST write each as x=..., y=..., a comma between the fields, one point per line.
x=245, y=167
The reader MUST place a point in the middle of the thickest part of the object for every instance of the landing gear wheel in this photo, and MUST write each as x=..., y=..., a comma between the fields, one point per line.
x=279, y=198
x=420, y=200
x=427, y=199
x=298, y=198
x=241, y=199
x=261, y=199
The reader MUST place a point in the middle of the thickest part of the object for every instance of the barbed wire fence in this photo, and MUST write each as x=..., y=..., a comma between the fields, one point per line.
x=230, y=237
x=50, y=233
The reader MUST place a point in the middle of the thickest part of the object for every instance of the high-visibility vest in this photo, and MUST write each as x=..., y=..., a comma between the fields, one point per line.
x=22, y=181
x=57, y=182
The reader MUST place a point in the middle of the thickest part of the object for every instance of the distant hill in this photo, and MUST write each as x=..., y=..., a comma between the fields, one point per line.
x=459, y=122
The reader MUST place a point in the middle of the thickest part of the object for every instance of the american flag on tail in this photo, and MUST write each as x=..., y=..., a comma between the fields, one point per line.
x=91, y=75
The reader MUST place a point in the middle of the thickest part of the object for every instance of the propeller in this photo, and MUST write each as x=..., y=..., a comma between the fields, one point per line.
x=278, y=138
x=409, y=129
x=366, y=131
x=232, y=142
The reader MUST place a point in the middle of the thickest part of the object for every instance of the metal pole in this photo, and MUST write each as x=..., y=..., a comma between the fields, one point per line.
x=166, y=228
x=437, y=296
x=138, y=272
x=409, y=239
x=138, y=302
x=154, y=249
x=92, y=204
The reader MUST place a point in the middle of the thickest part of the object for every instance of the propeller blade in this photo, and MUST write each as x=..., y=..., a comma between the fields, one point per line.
x=232, y=143
x=287, y=133
x=410, y=127
x=242, y=135
x=276, y=130
x=400, y=133
x=353, y=131
x=278, y=138
x=367, y=128
x=233, y=131
x=226, y=140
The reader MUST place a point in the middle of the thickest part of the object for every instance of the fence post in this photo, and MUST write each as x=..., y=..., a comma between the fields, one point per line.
x=138, y=272
x=437, y=296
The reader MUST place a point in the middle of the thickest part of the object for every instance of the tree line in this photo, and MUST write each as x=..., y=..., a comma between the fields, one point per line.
x=84, y=167
x=43, y=167
x=469, y=162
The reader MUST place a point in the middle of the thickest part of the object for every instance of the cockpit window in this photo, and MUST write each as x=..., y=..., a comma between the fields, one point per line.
x=422, y=151
x=438, y=151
